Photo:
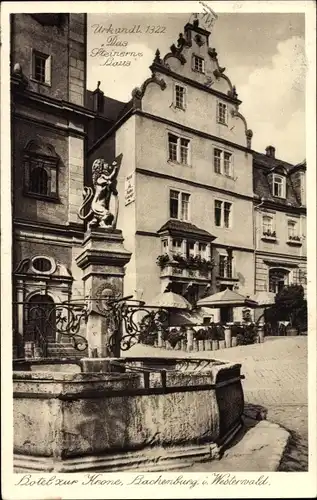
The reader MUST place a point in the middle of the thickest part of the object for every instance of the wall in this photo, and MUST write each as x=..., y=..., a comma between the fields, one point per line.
x=29, y=208
x=153, y=209
x=280, y=246
x=200, y=113
x=152, y=154
x=66, y=46
x=109, y=415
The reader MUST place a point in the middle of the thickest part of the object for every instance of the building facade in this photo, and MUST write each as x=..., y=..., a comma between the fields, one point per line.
x=199, y=209
x=48, y=125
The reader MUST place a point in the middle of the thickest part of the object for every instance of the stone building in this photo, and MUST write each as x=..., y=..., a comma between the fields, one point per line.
x=199, y=209
x=49, y=123
x=280, y=222
x=188, y=160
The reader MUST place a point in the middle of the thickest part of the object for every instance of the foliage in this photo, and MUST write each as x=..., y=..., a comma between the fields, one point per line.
x=174, y=335
x=295, y=237
x=248, y=336
x=162, y=260
x=212, y=332
x=290, y=305
x=271, y=234
x=197, y=262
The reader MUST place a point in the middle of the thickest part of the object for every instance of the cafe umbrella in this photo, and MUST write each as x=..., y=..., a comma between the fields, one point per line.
x=226, y=298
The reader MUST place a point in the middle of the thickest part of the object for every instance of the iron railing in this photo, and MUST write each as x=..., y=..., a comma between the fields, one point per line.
x=129, y=321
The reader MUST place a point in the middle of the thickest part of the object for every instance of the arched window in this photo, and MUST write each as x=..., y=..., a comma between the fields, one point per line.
x=40, y=170
x=278, y=279
x=39, y=181
x=40, y=319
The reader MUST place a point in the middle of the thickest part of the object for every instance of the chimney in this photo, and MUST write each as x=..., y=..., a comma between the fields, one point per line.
x=98, y=99
x=270, y=151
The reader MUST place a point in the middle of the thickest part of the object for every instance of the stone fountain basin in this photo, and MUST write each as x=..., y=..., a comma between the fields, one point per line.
x=154, y=414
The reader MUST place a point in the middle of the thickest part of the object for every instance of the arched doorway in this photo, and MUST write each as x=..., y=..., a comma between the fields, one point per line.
x=40, y=319
x=278, y=279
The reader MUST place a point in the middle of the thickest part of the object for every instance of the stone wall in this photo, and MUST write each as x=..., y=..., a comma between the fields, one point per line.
x=72, y=422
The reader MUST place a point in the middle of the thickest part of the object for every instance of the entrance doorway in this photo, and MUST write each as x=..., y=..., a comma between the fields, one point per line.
x=40, y=319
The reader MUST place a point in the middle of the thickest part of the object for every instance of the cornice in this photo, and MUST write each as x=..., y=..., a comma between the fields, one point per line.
x=58, y=104
x=161, y=175
x=71, y=230
x=194, y=131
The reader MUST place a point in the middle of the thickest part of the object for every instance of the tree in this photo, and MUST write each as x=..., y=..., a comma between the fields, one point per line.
x=290, y=305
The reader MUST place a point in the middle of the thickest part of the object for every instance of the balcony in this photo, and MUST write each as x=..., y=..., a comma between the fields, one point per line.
x=185, y=267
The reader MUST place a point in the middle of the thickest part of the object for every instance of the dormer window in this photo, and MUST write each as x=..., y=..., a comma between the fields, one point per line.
x=198, y=64
x=279, y=186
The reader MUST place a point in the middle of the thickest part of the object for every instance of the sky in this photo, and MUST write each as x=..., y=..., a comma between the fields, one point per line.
x=264, y=57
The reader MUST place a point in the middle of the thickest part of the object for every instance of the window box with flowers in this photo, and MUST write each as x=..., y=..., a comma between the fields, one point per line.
x=269, y=235
x=294, y=240
x=190, y=262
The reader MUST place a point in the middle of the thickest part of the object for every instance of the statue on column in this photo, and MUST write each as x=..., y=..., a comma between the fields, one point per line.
x=98, y=198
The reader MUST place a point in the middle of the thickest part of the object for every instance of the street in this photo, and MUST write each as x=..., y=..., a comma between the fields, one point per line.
x=275, y=378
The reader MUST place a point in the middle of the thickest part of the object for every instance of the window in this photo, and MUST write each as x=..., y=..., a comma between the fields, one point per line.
x=174, y=195
x=223, y=162
x=227, y=214
x=222, y=265
x=180, y=93
x=40, y=170
x=172, y=147
x=184, y=151
x=42, y=264
x=278, y=279
x=202, y=248
x=225, y=266
x=199, y=64
x=218, y=211
x=190, y=249
x=178, y=149
x=267, y=225
x=179, y=205
x=165, y=246
x=185, y=206
x=227, y=163
x=41, y=71
x=279, y=186
x=217, y=160
x=177, y=246
x=292, y=230
x=222, y=113
x=223, y=212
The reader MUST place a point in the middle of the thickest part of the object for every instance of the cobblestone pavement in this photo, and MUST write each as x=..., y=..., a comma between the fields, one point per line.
x=275, y=378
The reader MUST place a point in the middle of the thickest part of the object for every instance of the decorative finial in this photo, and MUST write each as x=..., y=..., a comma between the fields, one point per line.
x=98, y=84
x=157, y=58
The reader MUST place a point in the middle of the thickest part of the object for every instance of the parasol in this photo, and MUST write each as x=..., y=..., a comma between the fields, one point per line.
x=227, y=298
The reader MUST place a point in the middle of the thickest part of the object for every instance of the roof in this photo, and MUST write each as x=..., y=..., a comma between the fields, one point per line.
x=269, y=162
x=112, y=108
x=178, y=226
x=262, y=165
